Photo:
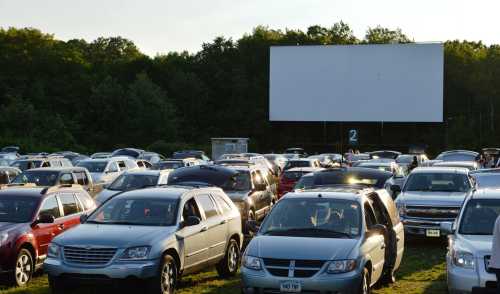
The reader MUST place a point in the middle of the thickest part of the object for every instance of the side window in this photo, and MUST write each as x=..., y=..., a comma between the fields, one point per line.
x=224, y=206
x=140, y=164
x=50, y=207
x=381, y=214
x=147, y=164
x=190, y=209
x=113, y=167
x=66, y=179
x=85, y=200
x=122, y=165
x=45, y=164
x=207, y=205
x=69, y=204
x=369, y=216
x=81, y=178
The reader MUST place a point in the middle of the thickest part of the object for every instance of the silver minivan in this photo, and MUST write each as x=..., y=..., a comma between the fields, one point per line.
x=329, y=240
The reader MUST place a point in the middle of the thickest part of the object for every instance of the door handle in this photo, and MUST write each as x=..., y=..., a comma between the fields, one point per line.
x=204, y=229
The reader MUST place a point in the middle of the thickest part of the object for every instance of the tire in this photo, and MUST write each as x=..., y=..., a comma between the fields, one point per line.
x=24, y=268
x=166, y=279
x=364, y=287
x=228, y=267
x=57, y=285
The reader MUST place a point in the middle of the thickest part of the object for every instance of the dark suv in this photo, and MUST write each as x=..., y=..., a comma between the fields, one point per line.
x=51, y=176
x=30, y=217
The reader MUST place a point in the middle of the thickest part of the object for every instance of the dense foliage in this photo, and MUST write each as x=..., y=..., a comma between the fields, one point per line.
x=105, y=94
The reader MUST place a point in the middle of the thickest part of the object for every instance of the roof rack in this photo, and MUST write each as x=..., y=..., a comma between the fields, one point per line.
x=52, y=189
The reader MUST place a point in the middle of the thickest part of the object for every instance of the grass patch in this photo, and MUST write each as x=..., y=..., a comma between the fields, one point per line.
x=423, y=271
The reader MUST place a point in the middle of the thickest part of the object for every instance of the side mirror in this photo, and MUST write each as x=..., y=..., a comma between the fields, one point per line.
x=45, y=219
x=377, y=229
x=447, y=228
x=192, y=221
x=253, y=226
x=83, y=218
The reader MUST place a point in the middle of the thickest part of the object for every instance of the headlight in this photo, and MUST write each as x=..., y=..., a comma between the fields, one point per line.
x=341, y=266
x=401, y=208
x=252, y=263
x=463, y=259
x=136, y=253
x=53, y=251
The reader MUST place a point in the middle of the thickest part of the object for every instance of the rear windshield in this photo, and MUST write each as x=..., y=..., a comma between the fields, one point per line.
x=127, y=182
x=487, y=180
x=351, y=178
x=93, y=167
x=298, y=163
x=17, y=209
x=479, y=217
x=38, y=177
x=26, y=164
x=457, y=157
x=293, y=175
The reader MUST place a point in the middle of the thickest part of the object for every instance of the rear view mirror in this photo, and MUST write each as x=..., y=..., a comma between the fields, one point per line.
x=45, y=219
x=447, y=228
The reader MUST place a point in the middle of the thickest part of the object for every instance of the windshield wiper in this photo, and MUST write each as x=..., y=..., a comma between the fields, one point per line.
x=316, y=230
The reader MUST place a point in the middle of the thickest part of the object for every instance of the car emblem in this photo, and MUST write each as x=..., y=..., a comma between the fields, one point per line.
x=88, y=247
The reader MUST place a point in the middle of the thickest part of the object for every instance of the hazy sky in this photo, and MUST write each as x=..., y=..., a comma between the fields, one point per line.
x=160, y=26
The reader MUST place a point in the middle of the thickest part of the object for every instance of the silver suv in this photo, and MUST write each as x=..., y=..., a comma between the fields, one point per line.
x=330, y=240
x=154, y=234
x=430, y=196
x=470, y=242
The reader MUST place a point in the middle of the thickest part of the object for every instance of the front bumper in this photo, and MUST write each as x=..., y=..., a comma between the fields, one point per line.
x=258, y=282
x=116, y=270
x=419, y=227
x=462, y=281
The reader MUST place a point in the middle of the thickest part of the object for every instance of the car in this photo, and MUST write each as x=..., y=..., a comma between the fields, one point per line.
x=458, y=155
x=352, y=158
x=398, y=173
x=8, y=158
x=105, y=170
x=143, y=164
x=245, y=185
x=74, y=157
x=324, y=160
x=296, y=150
x=155, y=235
x=41, y=161
x=470, y=241
x=7, y=174
x=470, y=165
x=132, y=180
x=100, y=155
x=487, y=178
x=30, y=218
x=55, y=176
x=198, y=154
x=430, y=196
x=290, y=177
x=344, y=176
x=384, y=154
x=289, y=156
x=10, y=149
x=407, y=159
x=152, y=157
x=302, y=162
x=176, y=163
x=128, y=152
x=329, y=240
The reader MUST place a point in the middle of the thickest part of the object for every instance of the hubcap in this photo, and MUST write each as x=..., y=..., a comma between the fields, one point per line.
x=167, y=278
x=23, y=269
x=365, y=284
x=232, y=258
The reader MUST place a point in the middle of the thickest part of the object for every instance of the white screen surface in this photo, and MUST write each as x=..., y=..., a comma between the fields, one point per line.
x=358, y=83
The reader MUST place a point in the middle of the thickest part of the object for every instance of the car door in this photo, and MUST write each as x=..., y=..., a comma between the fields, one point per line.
x=216, y=227
x=71, y=210
x=44, y=233
x=374, y=244
x=193, y=237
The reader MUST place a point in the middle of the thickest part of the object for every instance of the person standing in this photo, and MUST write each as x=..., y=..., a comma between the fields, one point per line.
x=495, y=253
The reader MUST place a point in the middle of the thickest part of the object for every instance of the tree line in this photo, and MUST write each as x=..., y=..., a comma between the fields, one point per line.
x=104, y=94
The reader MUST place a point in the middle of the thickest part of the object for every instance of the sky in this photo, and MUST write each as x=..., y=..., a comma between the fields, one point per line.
x=161, y=26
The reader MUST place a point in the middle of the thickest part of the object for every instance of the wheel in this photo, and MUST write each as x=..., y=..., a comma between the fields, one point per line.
x=364, y=287
x=388, y=277
x=165, y=281
x=57, y=285
x=24, y=268
x=228, y=266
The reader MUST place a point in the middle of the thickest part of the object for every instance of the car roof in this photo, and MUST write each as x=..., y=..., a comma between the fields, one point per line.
x=170, y=192
x=28, y=190
x=146, y=172
x=304, y=169
x=464, y=163
x=331, y=193
x=58, y=169
x=441, y=169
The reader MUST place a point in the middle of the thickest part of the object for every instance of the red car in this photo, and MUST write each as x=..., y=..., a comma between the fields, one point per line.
x=30, y=217
x=290, y=177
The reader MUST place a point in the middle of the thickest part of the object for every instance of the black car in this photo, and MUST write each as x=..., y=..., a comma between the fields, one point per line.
x=389, y=154
x=198, y=154
x=129, y=152
x=355, y=176
x=458, y=155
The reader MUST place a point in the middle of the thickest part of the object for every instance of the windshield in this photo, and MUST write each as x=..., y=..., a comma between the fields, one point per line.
x=379, y=167
x=127, y=182
x=26, y=164
x=297, y=163
x=457, y=157
x=321, y=218
x=487, y=180
x=438, y=182
x=479, y=217
x=136, y=211
x=40, y=178
x=168, y=165
x=293, y=175
x=404, y=159
x=17, y=209
x=94, y=167
x=240, y=182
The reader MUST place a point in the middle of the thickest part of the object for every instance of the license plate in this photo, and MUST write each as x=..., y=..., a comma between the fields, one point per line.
x=432, y=233
x=290, y=287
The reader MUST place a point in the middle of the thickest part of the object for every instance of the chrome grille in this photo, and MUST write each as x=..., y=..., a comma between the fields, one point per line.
x=448, y=212
x=293, y=268
x=487, y=264
x=89, y=255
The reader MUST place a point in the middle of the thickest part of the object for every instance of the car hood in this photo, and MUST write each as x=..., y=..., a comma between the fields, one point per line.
x=10, y=227
x=432, y=198
x=479, y=245
x=120, y=236
x=105, y=195
x=280, y=247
